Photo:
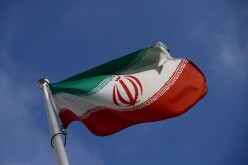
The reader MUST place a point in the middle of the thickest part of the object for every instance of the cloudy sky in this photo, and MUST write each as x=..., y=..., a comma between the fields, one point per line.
x=57, y=39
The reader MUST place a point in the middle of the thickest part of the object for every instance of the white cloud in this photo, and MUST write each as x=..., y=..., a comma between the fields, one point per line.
x=227, y=46
x=22, y=141
x=232, y=56
x=233, y=60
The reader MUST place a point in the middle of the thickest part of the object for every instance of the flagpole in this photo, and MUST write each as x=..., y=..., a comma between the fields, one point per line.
x=54, y=129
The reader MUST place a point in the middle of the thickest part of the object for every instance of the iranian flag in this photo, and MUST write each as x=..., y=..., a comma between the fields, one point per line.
x=145, y=86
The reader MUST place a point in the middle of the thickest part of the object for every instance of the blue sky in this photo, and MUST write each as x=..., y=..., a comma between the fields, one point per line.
x=57, y=39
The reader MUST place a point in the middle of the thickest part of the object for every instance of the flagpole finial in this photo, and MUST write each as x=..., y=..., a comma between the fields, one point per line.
x=43, y=81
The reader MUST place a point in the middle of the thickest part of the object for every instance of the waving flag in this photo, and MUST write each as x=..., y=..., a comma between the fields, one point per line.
x=144, y=86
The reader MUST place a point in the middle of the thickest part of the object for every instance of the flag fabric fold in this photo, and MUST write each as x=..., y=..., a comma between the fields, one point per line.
x=145, y=86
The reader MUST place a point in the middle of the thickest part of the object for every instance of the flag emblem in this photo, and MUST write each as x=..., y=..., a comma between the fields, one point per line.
x=127, y=91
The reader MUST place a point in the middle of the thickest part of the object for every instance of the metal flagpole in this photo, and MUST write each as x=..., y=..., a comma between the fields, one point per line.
x=54, y=129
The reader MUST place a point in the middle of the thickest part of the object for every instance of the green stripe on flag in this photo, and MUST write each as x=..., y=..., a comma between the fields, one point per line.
x=93, y=80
